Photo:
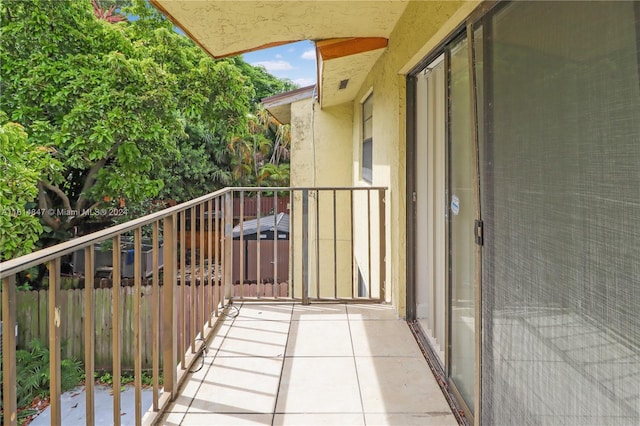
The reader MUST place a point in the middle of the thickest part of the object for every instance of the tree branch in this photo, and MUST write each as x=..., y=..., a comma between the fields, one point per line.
x=79, y=217
x=43, y=206
x=53, y=188
x=89, y=181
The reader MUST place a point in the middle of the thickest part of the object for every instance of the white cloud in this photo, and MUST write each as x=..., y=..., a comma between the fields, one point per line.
x=309, y=55
x=303, y=82
x=278, y=56
x=274, y=65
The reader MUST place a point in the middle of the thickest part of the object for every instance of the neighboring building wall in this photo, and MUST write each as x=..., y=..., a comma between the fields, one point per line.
x=422, y=27
x=324, y=148
x=301, y=143
x=321, y=157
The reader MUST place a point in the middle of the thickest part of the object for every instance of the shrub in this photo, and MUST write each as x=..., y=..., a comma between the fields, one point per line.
x=33, y=376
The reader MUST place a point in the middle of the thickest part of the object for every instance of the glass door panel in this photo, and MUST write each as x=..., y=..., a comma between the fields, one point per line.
x=430, y=221
x=463, y=212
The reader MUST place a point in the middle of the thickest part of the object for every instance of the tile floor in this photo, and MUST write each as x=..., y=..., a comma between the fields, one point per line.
x=323, y=364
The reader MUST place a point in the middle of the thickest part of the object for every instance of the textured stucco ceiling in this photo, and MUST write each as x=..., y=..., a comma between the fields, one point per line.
x=226, y=27
x=354, y=68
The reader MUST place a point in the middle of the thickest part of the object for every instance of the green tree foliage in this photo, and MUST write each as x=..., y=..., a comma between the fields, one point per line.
x=204, y=167
x=134, y=110
x=260, y=155
x=23, y=164
x=264, y=83
x=81, y=84
x=216, y=97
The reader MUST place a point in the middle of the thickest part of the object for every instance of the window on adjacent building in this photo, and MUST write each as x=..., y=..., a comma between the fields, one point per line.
x=367, y=139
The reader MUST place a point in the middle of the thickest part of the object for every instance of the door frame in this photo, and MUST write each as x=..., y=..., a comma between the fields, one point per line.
x=464, y=30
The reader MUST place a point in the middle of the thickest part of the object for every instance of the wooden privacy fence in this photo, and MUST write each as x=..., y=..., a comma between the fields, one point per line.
x=33, y=323
x=266, y=204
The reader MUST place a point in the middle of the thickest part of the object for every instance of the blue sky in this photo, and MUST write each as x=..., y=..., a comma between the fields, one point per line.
x=295, y=61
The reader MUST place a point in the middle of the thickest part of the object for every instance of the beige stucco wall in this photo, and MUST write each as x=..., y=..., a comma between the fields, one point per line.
x=321, y=153
x=326, y=149
x=420, y=29
x=301, y=143
x=321, y=156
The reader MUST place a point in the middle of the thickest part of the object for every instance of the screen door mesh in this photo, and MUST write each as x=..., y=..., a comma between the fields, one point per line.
x=560, y=184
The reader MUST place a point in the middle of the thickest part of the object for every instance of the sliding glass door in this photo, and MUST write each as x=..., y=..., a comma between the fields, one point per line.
x=446, y=211
x=462, y=213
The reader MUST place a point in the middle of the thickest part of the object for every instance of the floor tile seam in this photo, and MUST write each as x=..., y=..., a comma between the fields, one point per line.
x=355, y=366
x=252, y=356
x=418, y=357
x=224, y=337
x=284, y=413
x=182, y=415
x=217, y=351
x=206, y=373
x=376, y=319
x=319, y=356
x=286, y=345
x=230, y=329
x=213, y=361
x=193, y=398
x=208, y=365
x=263, y=338
x=281, y=413
x=431, y=413
x=208, y=413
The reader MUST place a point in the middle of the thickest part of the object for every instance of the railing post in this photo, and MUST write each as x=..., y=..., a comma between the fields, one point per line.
x=215, y=269
x=54, y=341
x=259, y=287
x=169, y=313
x=228, y=246
x=201, y=271
x=241, y=248
x=369, y=270
x=317, y=245
x=276, y=284
x=209, y=271
x=155, y=315
x=180, y=336
x=292, y=245
x=137, y=336
x=305, y=247
x=9, y=392
x=383, y=243
x=354, y=276
x=335, y=248
x=193, y=329
x=89, y=331
x=115, y=322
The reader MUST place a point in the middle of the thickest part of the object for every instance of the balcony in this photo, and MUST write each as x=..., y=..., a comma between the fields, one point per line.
x=250, y=309
x=318, y=364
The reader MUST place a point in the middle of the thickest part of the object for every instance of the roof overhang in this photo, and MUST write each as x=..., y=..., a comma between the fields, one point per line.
x=350, y=34
x=279, y=105
x=343, y=65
